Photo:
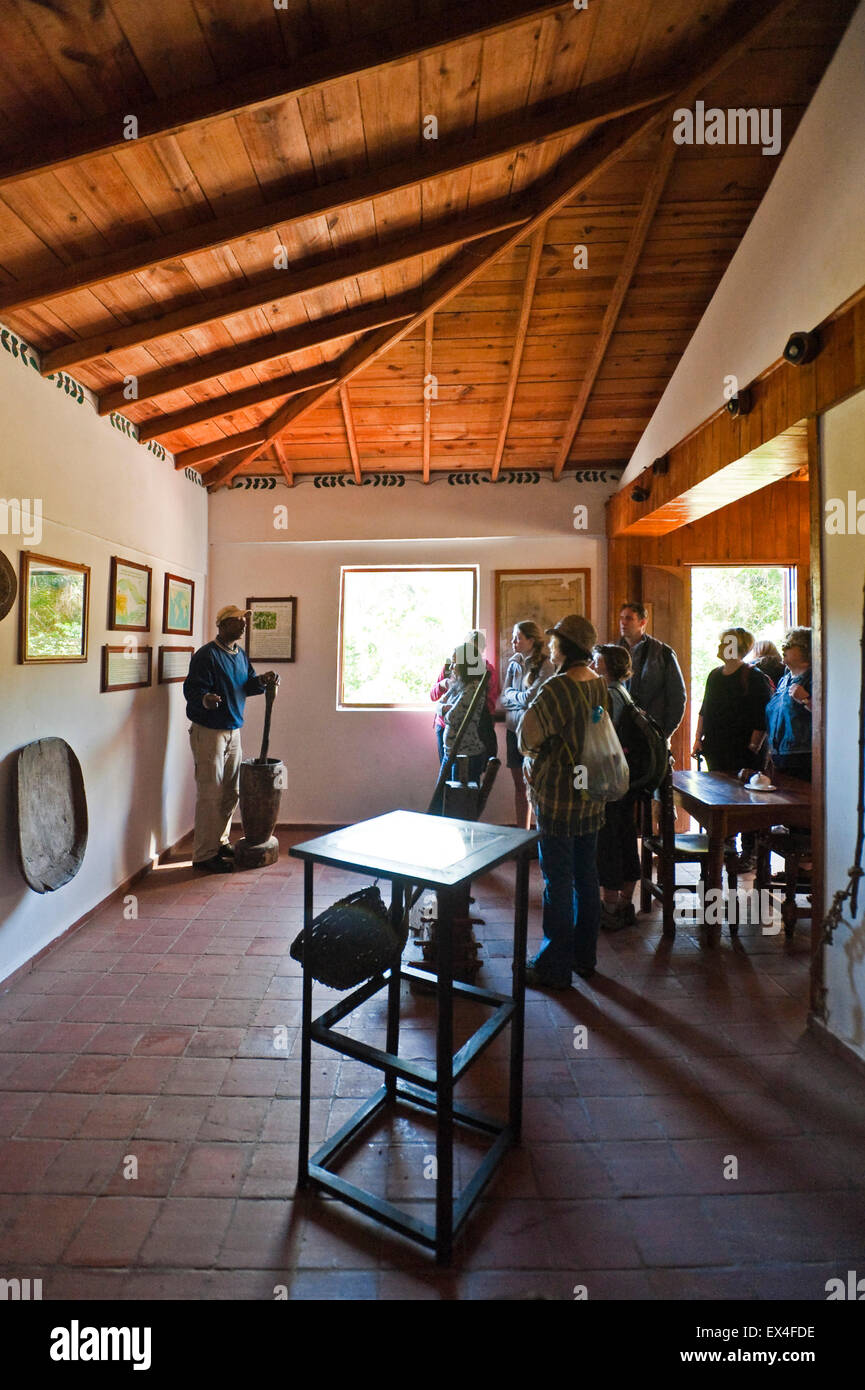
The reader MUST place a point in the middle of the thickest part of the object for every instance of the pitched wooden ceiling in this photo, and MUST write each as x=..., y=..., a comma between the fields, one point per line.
x=283, y=273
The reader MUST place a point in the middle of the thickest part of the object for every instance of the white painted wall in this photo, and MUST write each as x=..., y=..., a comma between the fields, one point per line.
x=802, y=256
x=348, y=765
x=843, y=453
x=101, y=495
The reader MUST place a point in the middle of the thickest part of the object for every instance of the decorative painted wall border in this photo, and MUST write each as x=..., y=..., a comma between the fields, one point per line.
x=28, y=355
x=266, y=482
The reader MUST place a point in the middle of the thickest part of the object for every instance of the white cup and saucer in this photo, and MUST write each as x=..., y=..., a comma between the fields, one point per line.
x=760, y=783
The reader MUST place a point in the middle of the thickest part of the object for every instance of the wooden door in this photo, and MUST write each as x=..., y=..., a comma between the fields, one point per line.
x=666, y=590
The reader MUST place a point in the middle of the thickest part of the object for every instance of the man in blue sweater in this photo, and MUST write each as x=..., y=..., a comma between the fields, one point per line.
x=219, y=680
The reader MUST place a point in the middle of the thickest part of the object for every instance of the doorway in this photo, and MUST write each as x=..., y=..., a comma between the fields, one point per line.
x=760, y=598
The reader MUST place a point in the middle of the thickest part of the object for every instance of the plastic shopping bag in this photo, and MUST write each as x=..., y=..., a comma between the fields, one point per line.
x=606, y=768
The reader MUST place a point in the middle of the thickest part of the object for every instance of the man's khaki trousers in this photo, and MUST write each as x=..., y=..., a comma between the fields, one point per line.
x=217, y=755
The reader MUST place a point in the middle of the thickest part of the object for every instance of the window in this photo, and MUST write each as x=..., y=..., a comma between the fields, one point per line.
x=397, y=627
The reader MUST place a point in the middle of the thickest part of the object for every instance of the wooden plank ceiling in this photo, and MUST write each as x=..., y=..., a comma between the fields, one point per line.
x=282, y=273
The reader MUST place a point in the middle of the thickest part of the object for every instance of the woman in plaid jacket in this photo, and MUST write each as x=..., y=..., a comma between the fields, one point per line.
x=551, y=737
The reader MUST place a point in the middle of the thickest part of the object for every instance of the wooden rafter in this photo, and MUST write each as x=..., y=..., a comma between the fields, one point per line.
x=283, y=462
x=351, y=437
x=427, y=396
x=722, y=48
x=580, y=170
x=216, y=407
x=346, y=266
x=536, y=246
x=311, y=335
x=492, y=140
x=347, y=61
x=633, y=251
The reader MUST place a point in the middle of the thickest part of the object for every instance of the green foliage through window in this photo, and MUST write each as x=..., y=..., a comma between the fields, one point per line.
x=398, y=628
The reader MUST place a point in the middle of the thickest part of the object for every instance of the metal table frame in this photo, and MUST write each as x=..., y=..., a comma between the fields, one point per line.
x=411, y=1082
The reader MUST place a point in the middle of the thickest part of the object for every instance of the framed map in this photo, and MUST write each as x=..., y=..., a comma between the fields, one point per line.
x=129, y=596
x=270, y=632
x=542, y=596
x=178, y=605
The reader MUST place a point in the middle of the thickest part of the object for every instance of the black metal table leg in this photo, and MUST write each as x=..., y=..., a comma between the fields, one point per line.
x=445, y=1082
x=521, y=920
x=305, y=1036
x=397, y=902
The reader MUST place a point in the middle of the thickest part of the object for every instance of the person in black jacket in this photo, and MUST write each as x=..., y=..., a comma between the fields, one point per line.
x=731, y=728
x=657, y=684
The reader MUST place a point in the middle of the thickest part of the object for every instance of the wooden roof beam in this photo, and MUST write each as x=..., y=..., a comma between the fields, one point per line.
x=351, y=437
x=536, y=246
x=723, y=47
x=627, y=270
x=311, y=335
x=216, y=407
x=344, y=62
x=350, y=263
x=287, y=472
x=492, y=140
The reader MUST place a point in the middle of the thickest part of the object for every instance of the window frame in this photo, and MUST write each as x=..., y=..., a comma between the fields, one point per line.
x=352, y=708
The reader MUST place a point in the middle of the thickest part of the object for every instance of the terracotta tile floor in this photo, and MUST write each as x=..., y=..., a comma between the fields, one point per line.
x=148, y=1123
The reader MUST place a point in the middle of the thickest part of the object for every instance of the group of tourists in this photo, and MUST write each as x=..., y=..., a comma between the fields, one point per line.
x=755, y=715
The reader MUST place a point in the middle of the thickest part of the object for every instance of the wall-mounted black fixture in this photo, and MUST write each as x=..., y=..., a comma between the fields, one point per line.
x=639, y=494
x=661, y=465
x=802, y=347
x=741, y=404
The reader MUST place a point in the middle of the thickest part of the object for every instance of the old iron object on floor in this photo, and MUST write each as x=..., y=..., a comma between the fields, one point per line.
x=262, y=781
x=463, y=800
x=52, y=814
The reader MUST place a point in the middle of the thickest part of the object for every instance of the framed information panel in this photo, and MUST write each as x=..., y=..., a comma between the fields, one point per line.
x=126, y=668
x=173, y=664
x=270, y=632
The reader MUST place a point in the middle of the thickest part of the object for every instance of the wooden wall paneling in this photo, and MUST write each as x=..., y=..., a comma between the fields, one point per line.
x=816, y=534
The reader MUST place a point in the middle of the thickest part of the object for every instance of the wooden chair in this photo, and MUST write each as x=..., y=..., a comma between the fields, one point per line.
x=668, y=848
x=794, y=847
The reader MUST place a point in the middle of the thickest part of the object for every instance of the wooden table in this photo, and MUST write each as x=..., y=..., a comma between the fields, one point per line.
x=723, y=806
x=408, y=848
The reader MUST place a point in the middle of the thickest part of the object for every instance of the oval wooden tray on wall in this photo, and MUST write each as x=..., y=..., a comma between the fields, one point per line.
x=52, y=814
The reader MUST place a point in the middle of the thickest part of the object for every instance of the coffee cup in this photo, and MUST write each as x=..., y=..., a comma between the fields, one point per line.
x=759, y=780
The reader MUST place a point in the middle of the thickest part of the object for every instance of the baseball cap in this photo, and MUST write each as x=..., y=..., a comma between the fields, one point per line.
x=231, y=611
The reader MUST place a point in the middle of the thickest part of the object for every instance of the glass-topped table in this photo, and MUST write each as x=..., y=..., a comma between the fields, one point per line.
x=408, y=848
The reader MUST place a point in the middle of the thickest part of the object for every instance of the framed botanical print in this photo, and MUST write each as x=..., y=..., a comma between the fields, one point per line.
x=178, y=605
x=173, y=664
x=270, y=632
x=126, y=668
x=129, y=596
x=544, y=596
x=54, y=611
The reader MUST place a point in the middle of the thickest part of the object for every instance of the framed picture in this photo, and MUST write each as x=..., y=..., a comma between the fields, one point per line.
x=178, y=605
x=543, y=596
x=270, y=632
x=129, y=596
x=126, y=668
x=173, y=664
x=55, y=609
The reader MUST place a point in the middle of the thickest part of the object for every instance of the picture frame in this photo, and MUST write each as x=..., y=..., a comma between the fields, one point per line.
x=271, y=630
x=542, y=595
x=178, y=605
x=129, y=596
x=171, y=659
x=126, y=668
x=54, y=612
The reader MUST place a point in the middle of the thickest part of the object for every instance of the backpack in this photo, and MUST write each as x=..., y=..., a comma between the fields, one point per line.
x=646, y=747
